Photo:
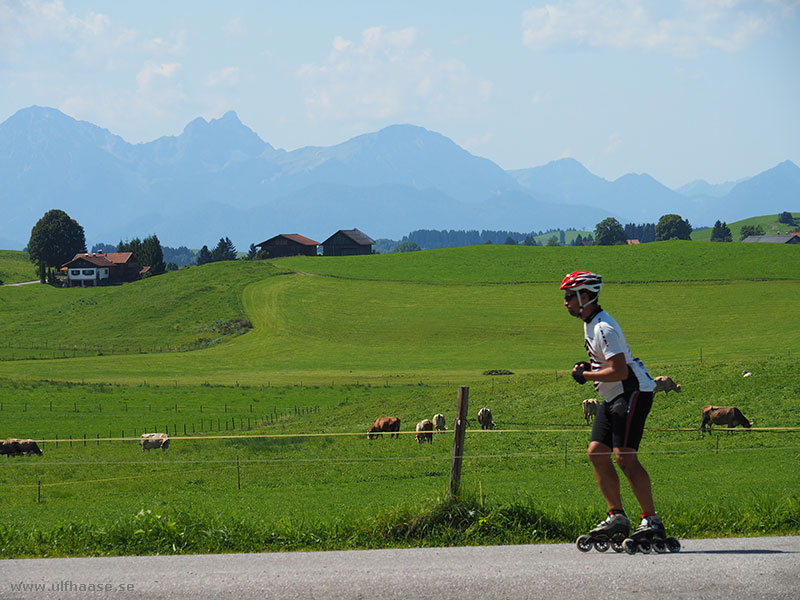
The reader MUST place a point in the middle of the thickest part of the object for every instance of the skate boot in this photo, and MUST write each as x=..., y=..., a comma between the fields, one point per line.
x=610, y=532
x=650, y=535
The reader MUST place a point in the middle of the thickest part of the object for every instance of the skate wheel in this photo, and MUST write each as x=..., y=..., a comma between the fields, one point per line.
x=645, y=546
x=584, y=543
x=616, y=543
x=673, y=545
x=629, y=545
x=601, y=545
x=660, y=546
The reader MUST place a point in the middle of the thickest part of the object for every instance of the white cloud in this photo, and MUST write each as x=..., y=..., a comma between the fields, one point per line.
x=682, y=29
x=387, y=75
x=151, y=70
x=228, y=76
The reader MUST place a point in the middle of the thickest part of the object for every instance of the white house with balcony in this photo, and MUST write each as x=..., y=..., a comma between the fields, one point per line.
x=101, y=268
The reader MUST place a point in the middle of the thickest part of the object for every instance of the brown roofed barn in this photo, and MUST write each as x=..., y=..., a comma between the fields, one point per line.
x=347, y=242
x=289, y=244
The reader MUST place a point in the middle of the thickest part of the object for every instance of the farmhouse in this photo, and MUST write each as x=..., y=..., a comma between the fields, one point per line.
x=289, y=244
x=99, y=269
x=347, y=242
x=789, y=238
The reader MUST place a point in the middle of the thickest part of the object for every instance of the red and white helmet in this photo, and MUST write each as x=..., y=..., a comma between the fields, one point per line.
x=582, y=280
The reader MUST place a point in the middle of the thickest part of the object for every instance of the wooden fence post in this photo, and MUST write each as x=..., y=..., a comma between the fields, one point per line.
x=459, y=430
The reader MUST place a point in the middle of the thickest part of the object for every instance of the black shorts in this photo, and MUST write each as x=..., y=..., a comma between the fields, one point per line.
x=620, y=422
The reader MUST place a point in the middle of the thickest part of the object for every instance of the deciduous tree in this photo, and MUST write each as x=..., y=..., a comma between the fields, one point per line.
x=609, y=232
x=673, y=227
x=55, y=239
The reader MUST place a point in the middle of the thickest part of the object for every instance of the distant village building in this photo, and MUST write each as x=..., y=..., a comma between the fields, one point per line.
x=789, y=238
x=289, y=244
x=100, y=269
x=347, y=242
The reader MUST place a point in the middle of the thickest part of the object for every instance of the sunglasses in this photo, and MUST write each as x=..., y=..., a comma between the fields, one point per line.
x=570, y=296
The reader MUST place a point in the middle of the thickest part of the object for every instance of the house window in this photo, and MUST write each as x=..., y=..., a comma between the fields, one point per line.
x=88, y=271
x=75, y=272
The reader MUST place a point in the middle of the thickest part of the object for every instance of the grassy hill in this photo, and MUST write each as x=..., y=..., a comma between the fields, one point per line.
x=435, y=314
x=16, y=267
x=769, y=223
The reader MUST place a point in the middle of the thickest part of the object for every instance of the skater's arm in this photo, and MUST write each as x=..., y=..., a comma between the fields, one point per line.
x=617, y=370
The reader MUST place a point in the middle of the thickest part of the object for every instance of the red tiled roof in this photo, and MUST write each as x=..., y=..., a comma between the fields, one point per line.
x=103, y=260
x=295, y=237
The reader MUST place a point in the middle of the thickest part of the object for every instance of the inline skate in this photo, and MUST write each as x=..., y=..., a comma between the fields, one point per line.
x=609, y=533
x=650, y=535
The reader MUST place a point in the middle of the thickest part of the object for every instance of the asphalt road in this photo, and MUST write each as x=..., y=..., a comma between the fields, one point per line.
x=751, y=568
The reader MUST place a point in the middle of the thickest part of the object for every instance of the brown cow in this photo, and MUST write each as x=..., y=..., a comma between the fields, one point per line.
x=485, y=418
x=390, y=425
x=590, y=406
x=723, y=415
x=425, y=431
x=666, y=385
x=439, y=422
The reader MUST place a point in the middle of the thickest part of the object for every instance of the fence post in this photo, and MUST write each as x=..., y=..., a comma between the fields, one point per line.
x=460, y=429
x=238, y=475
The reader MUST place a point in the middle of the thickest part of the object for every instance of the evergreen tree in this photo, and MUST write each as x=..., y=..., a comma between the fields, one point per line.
x=134, y=247
x=204, y=256
x=721, y=232
x=786, y=218
x=225, y=250
x=251, y=252
x=55, y=239
x=151, y=255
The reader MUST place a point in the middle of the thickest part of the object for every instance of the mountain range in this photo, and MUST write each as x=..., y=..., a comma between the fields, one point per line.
x=218, y=179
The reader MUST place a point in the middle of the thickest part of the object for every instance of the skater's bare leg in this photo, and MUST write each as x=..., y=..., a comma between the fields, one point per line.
x=628, y=461
x=606, y=474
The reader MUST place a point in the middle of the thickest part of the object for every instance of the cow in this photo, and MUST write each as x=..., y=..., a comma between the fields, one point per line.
x=485, y=418
x=590, y=406
x=723, y=415
x=17, y=447
x=383, y=425
x=425, y=431
x=10, y=447
x=438, y=422
x=666, y=385
x=154, y=440
x=29, y=447
x=746, y=373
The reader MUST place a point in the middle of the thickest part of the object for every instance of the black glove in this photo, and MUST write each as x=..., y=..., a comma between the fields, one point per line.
x=577, y=371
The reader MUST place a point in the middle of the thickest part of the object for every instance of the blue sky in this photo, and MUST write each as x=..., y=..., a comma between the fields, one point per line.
x=680, y=90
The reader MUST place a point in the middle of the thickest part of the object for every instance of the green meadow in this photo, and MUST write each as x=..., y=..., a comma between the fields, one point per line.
x=268, y=374
x=769, y=224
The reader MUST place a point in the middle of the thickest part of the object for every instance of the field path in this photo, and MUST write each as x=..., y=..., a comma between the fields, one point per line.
x=711, y=569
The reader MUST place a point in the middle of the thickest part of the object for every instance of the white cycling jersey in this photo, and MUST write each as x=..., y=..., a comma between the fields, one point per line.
x=605, y=339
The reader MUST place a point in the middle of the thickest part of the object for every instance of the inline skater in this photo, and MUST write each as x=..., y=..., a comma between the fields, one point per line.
x=627, y=389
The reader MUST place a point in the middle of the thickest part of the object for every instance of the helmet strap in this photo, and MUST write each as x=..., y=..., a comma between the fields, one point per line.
x=582, y=305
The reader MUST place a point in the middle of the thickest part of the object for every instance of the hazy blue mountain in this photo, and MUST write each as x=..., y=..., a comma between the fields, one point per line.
x=219, y=178
x=700, y=188
x=633, y=198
